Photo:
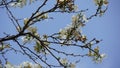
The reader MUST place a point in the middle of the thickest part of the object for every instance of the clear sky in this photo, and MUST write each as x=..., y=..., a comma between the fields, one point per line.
x=105, y=28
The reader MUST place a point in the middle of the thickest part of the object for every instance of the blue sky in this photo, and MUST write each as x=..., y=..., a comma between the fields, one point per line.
x=105, y=28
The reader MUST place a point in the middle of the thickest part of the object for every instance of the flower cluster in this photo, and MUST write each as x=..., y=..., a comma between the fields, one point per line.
x=23, y=65
x=97, y=57
x=81, y=17
x=29, y=38
x=72, y=31
x=67, y=5
x=64, y=61
x=101, y=2
x=38, y=48
x=4, y=46
x=37, y=17
x=20, y=3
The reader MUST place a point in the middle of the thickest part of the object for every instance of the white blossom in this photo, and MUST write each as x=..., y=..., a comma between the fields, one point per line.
x=64, y=61
x=75, y=18
x=18, y=66
x=46, y=16
x=9, y=66
x=71, y=65
x=103, y=55
x=96, y=2
x=104, y=2
x=75, y=7
x=64, y=32
x=62, y=0
x=25, y=21
x=17, y=5
x=37, y=66
x=24, y=39
x=84, y=18
x=12, y=4
x=26, y=64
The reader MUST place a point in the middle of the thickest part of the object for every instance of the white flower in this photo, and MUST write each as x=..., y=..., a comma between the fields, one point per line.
x=103, y=55
x=62, y=31
x=25, y=21
x=72, y=65
x=62, y=1
x=18, y=4
x=96, y=2
x=26, y=64
x=37, y=66
x=45, y=16
x=75, y=7
x=100, y=58
x=18, y=66
x=104, y=2
x=12, y=4
x=64, y=61
x=23, y=65
x=9, y=66
x=75, y=19
x=24, y=39
x=84, y=18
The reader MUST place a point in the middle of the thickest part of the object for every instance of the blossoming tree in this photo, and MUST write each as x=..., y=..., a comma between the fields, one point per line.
x=40, y=48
